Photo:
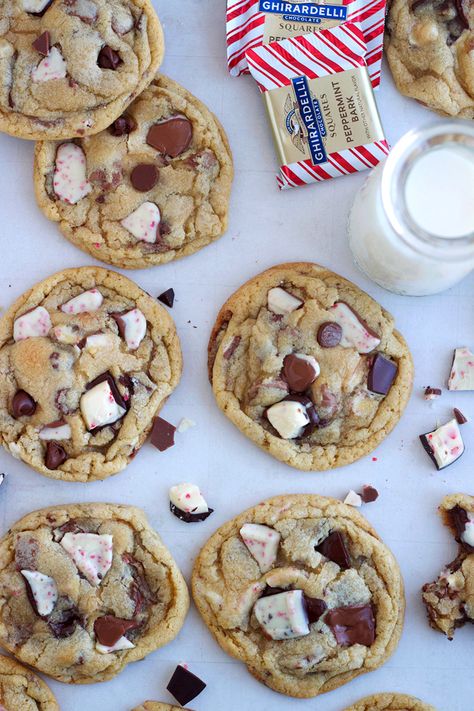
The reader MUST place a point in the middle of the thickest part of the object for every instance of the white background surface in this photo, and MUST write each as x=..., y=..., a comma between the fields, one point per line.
x=266, y=227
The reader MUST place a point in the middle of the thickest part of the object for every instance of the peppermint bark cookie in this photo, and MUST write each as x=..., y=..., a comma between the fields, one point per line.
x=449, y=600
x=156, y=706
x=21, y=690
x=429, y=46
x=390, y=702
x=303, y=591
x=85, y=589
x=87, y=359
x=71, y=67
x=153, y=187
x=309, y=367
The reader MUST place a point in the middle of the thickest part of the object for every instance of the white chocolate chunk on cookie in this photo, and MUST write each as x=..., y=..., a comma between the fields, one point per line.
x=262, y=542
x=56, y=431
x=88, y=301
x=355, y=334
x=91, y=552
x=35, y=6
x=51, y=67
x=143, y=223
x=99, y=407
x=70, y=174
x=44, y=591
x=462, y=370
x=97, y=341
x=121, y=644
x=132, y=326
x=280, y=302
x=289, y=418
x=283, y=616
x=33, y=324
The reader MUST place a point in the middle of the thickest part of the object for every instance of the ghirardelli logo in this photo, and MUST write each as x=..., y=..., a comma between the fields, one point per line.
x=294, y=124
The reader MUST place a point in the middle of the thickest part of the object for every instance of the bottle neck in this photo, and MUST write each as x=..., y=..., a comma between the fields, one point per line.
x=398, y=175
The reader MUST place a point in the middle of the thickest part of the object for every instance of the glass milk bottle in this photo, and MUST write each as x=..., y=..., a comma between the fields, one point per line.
x=411, y=227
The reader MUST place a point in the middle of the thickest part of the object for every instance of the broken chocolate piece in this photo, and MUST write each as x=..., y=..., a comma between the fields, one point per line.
x=171, y=136
x=110, y=629
x=184, y=685
x=112, y=385
x=462, y=370
x=460, y=418
x=299, y=371
x=354, y=624
x=329, y=334
x=23, y=404
x=334, y=548
x=144, y=177
x=167, y=298
x=42, y=44
x=188, y=504
x=108, y=58
x=382, y=373
x=368, y=494
x=444, y=445
x=122, y=126
x=64, y=618
x=292, y=421
x=55, y=455
x=189, y=517
x=314, y=608
x=432, y=393
x=162, y=434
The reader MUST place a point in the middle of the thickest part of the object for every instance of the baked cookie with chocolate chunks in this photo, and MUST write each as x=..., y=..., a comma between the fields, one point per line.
x=449, y=600
x=303, y=591
x=152, y=187
x=21, y=690
x=390, y=702
x=87, y=359
x=429, y=46
x=157, y=706
x=309, y=367
x=85, y=589
x=71, y=67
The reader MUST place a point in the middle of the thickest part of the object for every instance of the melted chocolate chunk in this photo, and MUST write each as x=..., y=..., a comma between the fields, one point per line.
x=171, y=137
x=42, y=44
x=110, y=629
x=382, y=373
x=144, y=177
x=64, y=618
x=167, y=298
x=122, y=126
x=184, y=685
x=334, y=548
x=162, y=434
x=23, y=405
x=298, y=372
x=188, y=516
x=354, y=624
x=269, y=590
x=108, y=58
x=55, y=455
x=329, y=334
x=314, y=608
x=139, y=591
x=459, y=517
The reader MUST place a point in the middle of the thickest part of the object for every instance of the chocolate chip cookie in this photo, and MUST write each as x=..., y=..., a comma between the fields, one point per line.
x=449, y=600
x=309, y=367
x=87, y=359
x=71, y=67
x=303, y=591
x=156, y=706
x=430, y=49
x=21, y=690
x=390, y=702
x=153, y=187
x=85, y=589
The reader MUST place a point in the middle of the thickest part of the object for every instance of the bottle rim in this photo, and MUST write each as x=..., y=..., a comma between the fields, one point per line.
x=395, y=172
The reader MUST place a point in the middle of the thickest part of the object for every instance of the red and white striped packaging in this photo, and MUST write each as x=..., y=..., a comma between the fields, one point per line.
x=251, y=23
x=321, y=104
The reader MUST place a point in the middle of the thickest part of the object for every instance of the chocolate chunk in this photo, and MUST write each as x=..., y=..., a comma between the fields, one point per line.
x=432, y=393
x=310, y=411
x=269, y=590
x=368, y=494
x=314, y=608
x=298, y=372
x=23, y=404
x=461, y=419
x=167, y=298
x=444, y=445
x=171, y=137
x=232, y=347
x=382, y=373
x=162, y=434
x=41, y=12
x=112, y=385
x=463, y=10
x=188, y=516
x=42, y=44
x=30, y=596
x=334, y=548
x=109, y=629
x=139, y=591
x=184, y=685
x=144, y=177
x=123, y=125
x=64, y=618
x=108, y=58
x=55, y=455
x=352, y=625
x=459, y=517
x=329, y=334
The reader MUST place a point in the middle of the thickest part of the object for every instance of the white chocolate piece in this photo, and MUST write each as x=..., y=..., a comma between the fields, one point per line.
x=85, y=9
x=354, y=333
x=87, y=302
x=134, y=325
x=70, y=182
x=35, y=6
x=188, y=498
x=33, y=324
x=462, y=370
x=446, y=443
x=353, y=499
x=99, y=407
x=289, y=418
x=262, y=542
x=185, y=424
x=65, y=334
x=468, y=534
x=122, y=20
x=143, y=222
x=283, y=616
x=51, y=67
x=96, y=341
x=120, y=644
x=44, y=591
x=58, y=433
x=281, y=302
x=92, y=553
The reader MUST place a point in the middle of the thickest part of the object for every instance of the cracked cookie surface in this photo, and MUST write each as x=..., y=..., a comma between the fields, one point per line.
x=87, y=359
x=21, y=690
x=156, y=706
x=117, y=594
x=430, y=50
x=390, y=702
x=298, y=333
x=152, y=188
x=71, y=67
x=350, y=611
x=449, y=600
